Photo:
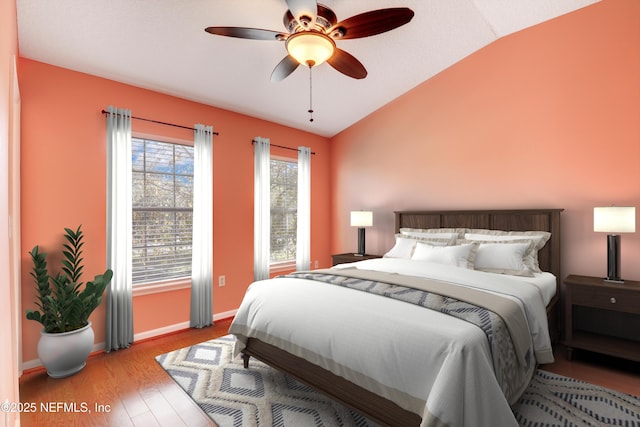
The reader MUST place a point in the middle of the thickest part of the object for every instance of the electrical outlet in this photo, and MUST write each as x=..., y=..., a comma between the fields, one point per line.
x=222, y=281
x=315, y=264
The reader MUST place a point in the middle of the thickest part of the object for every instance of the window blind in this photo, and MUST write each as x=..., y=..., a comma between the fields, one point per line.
x=162, y=210
x=284, y=212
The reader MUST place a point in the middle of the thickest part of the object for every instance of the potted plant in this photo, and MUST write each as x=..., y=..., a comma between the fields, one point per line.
x=64, y=306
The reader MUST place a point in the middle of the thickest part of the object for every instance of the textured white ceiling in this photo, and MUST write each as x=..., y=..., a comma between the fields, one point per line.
x=161, y=45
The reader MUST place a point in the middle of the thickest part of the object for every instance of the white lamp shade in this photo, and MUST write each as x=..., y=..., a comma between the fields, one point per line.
x=615, y=219
x=361, y=218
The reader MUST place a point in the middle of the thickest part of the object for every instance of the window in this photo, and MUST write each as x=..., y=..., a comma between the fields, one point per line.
x=162, y=210
x=284, y=212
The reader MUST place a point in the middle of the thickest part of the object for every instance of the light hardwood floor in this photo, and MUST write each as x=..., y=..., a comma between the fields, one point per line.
x=138, y=391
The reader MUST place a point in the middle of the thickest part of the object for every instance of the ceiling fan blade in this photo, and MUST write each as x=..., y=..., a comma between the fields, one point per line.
x=372, y=23
x=304, y=8
x=347, y=64
x=247, y=33
x=285, y=67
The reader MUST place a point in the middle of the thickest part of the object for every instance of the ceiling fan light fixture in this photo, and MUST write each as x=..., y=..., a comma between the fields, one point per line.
x=310, y=48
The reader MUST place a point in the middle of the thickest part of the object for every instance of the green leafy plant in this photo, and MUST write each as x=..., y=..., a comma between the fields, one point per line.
x=64, y=302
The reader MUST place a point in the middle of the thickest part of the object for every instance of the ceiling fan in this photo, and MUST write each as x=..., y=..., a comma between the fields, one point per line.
x=312, y=30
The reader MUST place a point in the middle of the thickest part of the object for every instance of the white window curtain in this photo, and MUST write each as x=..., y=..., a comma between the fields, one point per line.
x=262, y=209
x=303, y=239
x=119, y=326
x=202, y=246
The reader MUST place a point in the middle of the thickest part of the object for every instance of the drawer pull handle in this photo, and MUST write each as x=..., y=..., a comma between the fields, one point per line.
x=612, y=300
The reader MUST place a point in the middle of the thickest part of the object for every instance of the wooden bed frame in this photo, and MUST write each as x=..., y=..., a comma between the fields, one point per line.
x=377, y=408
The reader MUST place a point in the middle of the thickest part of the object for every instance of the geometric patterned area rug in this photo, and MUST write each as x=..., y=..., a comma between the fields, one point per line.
x=261, y=396
x=554, y=400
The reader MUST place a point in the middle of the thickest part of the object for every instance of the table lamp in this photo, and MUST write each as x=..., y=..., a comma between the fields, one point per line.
x=361, y=219
x=614, y=220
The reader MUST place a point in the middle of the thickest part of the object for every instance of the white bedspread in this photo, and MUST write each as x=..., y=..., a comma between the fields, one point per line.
x=435, y=365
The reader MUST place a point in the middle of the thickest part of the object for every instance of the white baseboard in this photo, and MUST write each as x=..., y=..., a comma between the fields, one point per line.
x=160, y=331
x=99, y=347
x=226, y=315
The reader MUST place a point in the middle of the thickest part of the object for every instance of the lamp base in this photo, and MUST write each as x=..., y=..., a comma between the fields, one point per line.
x=361, y=241
x=613, y=259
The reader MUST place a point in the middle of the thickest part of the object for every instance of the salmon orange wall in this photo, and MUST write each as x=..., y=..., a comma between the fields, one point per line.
x=546, y=117
x=64, y=183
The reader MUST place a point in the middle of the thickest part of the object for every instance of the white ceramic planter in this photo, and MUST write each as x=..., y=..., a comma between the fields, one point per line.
x=66, y=353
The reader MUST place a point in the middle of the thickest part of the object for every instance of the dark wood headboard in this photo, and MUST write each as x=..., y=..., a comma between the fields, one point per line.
x=508, y=220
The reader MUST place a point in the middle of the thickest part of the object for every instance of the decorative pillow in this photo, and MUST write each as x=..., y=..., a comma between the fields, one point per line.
x=539, y=238
x=460, y=255
x=405, y=245
x=444, y=233
x=402, y=249
x=504, y=258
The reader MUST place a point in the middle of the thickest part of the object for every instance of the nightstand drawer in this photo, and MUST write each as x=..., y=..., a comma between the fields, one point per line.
x=606, y=298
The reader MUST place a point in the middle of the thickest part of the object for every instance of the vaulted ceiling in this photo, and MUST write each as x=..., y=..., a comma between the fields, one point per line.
x=161, y=45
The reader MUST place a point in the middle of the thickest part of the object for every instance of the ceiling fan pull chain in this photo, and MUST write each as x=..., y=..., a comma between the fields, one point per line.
x=310, y=95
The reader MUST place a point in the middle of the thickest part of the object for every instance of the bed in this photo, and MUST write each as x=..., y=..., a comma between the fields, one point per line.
x=393, y=378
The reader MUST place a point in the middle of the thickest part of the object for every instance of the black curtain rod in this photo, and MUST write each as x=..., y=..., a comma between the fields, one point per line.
x=160, y=123
x=280, y=146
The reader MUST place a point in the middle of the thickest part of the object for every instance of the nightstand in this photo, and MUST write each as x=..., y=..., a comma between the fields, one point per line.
x=602, y=317
x=351, y=257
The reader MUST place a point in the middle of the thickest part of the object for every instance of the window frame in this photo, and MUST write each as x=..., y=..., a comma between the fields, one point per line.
x=169, y=284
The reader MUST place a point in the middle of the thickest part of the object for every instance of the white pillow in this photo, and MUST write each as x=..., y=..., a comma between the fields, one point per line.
x=460, y=255
x=504, y=258
x=405, y=245
x=402, y=249
x=442, y=233
x=539, y=238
